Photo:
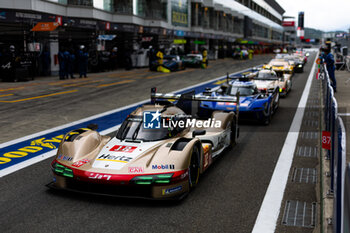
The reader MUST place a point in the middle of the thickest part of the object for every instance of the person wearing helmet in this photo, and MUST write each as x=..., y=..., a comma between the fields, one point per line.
x=12, y=48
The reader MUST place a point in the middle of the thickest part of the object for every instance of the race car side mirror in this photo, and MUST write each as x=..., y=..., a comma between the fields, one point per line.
x=92, y=126
x=198, y=132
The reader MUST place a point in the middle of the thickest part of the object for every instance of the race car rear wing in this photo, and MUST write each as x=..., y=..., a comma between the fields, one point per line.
x=247, y=76
x=191, y=97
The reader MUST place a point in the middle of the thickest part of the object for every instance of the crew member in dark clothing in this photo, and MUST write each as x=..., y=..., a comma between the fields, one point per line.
x=83, y=62
x=71, y=64
x=329, y=60
x=151, y=56
x=66, y=61
x=113, y=59
x=61, y=63
x=128, y=61
x=46, y=61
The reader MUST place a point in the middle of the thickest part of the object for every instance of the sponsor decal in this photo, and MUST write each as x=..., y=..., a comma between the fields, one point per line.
x=97, y=176
x=112, y=158
x=151, y=120
x=206, y=156
x=108, y=26
x=64, y=157
x=59, y=20
x=163, y=166
x=7, y=66
x=171, y=190
x=80, y=163
x=34, y=148
x=135, y=169
x=119, y=148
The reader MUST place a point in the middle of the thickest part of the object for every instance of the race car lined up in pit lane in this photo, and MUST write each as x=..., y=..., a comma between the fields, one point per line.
x=254, y=104
x=280, y=65
x=159, y=151
x=193, y=60
x=269, y=80
x=296, y=61
x=170, y=62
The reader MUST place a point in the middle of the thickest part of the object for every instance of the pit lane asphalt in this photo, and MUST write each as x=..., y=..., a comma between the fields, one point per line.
x=227, y=198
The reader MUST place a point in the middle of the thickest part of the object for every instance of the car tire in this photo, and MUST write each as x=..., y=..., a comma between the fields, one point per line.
x=267, y=117
x=233, y=133
x=277, y=104
x=194, y=168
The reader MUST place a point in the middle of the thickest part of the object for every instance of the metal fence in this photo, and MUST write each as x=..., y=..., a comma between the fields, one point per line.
x=340, y=174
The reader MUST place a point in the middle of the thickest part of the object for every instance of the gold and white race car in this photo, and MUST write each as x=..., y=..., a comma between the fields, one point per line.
x=159, y=151
x=268, y=80
x=280, y=65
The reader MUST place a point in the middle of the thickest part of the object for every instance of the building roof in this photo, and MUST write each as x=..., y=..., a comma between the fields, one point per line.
x=275, y=6
x=235, y=6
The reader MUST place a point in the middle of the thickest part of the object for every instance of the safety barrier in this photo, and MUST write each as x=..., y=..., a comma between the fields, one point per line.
x=340, y=175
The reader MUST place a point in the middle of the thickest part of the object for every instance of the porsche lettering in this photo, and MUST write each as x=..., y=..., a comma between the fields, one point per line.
x=99, y=176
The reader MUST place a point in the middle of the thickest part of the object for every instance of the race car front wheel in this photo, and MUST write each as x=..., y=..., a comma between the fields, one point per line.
x=277, y=103
x=267, y=114
x=233, y=133
x=193, y=169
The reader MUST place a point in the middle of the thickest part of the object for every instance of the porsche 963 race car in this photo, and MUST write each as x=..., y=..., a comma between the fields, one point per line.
x=159, y=151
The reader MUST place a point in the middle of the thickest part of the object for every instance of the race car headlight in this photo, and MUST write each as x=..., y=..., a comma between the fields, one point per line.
x=300, y=66
x=157, y=179
x=62, y=170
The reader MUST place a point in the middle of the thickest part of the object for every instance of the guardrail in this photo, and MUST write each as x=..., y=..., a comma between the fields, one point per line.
x=340, y=174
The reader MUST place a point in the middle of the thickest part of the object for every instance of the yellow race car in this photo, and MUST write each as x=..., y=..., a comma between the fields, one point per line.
x=280, y=65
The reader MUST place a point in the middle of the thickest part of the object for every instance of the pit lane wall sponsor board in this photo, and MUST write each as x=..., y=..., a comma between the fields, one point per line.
x=25, y=151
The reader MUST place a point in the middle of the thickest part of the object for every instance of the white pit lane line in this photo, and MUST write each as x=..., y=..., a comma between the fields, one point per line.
x=271, y=205
x=52, y=153
x=343, y=114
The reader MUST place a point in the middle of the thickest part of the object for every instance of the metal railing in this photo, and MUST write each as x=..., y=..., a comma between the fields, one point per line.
x=340, y=175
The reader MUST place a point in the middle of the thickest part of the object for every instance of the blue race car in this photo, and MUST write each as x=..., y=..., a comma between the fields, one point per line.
x=253, y=104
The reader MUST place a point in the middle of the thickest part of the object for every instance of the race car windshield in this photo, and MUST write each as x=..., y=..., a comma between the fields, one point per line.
x=266, y=76
x=243, y=91
x=132, y=129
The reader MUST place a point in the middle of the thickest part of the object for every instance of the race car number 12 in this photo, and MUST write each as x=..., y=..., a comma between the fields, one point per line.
x=120, y=148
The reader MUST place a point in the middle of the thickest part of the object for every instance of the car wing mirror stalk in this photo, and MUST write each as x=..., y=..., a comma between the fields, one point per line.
x=198, y=132
x=92, y=126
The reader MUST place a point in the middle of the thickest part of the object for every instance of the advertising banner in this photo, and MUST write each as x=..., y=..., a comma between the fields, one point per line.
x=179, y=13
